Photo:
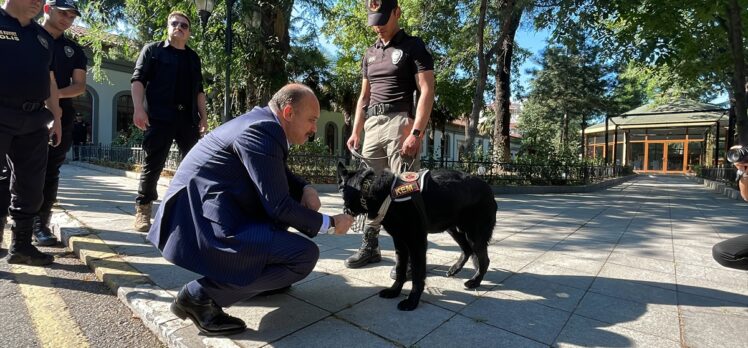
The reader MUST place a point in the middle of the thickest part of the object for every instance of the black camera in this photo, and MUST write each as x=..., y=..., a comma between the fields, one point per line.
x=737, y=154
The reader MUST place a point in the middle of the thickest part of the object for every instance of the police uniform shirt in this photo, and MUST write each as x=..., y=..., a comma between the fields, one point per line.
x=68, y=57
x=25, y=61
x=391, y=69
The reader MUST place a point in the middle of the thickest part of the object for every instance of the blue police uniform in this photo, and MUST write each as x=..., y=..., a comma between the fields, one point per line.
x=26, y=57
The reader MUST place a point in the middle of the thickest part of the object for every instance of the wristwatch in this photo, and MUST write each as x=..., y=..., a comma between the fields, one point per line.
x=416, y=132
x=331, y=229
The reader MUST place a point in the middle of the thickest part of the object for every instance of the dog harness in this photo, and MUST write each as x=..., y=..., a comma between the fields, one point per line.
x=406, y=186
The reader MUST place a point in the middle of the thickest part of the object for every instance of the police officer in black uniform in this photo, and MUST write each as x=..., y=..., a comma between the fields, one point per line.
x=169, y=101
x=393, y=68
x=26, y=87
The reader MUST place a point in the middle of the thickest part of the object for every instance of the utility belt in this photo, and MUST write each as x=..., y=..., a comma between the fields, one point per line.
x=23, y=106
x=386, y=108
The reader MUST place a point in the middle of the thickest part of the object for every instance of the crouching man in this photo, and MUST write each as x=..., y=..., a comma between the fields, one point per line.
x=226, y=213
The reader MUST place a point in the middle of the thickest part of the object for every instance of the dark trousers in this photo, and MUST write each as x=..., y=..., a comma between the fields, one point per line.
x=291, y=258
x=24, y=138
x=157, y=141
x=55, y=159
x=732, y=252
x=77, y=149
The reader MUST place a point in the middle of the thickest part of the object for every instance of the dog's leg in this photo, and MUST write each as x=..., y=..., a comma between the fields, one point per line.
x=467, y=250
x=418, y=263
x=401, y=265
x=480, y=258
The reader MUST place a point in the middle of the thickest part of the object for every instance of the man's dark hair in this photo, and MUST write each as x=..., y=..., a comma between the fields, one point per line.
x=180, y=14
x=290, y=94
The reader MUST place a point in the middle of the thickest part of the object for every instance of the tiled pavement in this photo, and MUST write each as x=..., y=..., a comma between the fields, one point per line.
x=626, y=266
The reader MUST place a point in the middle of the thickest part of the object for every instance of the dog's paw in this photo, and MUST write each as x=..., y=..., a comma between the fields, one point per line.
x=407, y=305
x=389, y=293
x=472, y=284
x=454, y=270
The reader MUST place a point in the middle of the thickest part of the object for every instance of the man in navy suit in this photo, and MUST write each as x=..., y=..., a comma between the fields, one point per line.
x=226, y=213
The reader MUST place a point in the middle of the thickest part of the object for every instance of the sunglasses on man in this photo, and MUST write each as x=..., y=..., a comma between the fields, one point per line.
x=182, y=25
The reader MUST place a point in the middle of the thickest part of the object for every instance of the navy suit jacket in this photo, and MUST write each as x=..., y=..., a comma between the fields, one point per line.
x=230, y=194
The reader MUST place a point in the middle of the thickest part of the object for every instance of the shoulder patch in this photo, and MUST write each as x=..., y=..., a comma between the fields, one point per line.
x=43, y=41
x=397, y=54
x=69, y=52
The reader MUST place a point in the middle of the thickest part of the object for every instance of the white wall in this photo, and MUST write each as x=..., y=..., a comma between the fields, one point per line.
x=104, y=107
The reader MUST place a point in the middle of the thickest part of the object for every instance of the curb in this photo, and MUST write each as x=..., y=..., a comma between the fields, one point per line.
x=719, y=188
x=147, y=301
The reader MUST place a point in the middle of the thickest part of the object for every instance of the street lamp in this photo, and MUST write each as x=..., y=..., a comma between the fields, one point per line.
x=204, y=9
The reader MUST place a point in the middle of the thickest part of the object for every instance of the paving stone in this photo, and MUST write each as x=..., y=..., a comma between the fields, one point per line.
x=560, y=275
x=332, y=332
x=652, y=278
x=628, y=259
x=539, y=290
x=584, y=332
x=381, y=316
x=324, y=291
x=709, y=329
x=655, y=319
x=523, y=317
x=466, y=332
x=634, y=291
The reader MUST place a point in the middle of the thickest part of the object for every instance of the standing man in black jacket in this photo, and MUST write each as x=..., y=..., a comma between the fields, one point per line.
x=167, y=92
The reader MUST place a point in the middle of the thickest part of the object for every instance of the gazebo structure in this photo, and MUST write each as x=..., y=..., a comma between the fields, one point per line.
x=662, y=138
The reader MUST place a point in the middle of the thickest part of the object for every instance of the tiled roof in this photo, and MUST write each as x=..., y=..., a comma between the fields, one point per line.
x=679, y=113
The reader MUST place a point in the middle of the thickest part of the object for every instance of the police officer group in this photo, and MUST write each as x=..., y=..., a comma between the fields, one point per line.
x=41, y=71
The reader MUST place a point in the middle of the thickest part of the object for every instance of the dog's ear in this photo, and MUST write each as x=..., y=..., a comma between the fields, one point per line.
x=342, y=173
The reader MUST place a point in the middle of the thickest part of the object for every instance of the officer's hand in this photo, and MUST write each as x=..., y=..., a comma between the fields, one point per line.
x=203, y=127
x=56, y=133
x=343, y=223
x=410, y=146
x=310, y=199
x=140, y=119
x=353, y=142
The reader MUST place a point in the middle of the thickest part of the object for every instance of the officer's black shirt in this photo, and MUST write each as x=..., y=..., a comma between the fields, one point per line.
x=158, y=69
x=80, y=132
x=391, y=68
x=25, y=60
x=184, y=85
x=68, y=57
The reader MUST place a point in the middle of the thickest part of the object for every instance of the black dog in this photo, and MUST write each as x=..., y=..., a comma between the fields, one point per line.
x=461, y=204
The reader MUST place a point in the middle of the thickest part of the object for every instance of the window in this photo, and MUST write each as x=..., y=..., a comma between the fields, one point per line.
x=83, y=105
x=125, y=109
x=330, y=137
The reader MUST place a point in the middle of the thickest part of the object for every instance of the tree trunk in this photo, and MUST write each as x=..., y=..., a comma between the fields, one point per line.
x=511, y=13
x=565, y=132
x=480, y=85
x=267, y=72
x=735, y=34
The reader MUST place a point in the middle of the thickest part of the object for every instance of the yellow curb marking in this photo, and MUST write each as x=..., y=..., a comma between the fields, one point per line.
x=52, y=321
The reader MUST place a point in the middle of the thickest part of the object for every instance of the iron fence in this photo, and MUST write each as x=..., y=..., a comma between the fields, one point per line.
x=722, y=174
x=322, y=169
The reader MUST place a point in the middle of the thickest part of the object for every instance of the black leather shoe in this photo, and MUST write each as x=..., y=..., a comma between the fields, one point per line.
x=408, y=273
x=210, y=319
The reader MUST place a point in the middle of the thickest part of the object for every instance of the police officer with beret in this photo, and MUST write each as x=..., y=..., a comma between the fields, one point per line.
x=393, y=68
x=28, y=104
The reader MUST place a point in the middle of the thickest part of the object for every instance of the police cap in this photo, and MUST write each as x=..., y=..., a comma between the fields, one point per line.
x=380, y=10
x=65, y=5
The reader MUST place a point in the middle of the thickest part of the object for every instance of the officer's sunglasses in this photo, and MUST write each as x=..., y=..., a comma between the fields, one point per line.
x=183, y=25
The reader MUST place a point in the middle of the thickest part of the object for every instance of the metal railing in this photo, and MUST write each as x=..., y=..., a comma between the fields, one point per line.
x=322, y=169
x=722, y=174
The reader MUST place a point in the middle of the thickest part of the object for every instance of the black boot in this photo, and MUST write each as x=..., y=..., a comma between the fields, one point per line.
x=369, y=250
x=2, y=231
x=210, y=319
x=21, y=250
x=41, y=232
x=408, y=273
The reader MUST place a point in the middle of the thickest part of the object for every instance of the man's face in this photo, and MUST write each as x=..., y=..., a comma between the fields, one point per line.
x=387, y=31
x=302, y=120
x=28, y=9
x=61, y=19
x=178, y=27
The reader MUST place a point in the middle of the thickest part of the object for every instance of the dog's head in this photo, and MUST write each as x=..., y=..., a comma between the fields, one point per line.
x=350, y=186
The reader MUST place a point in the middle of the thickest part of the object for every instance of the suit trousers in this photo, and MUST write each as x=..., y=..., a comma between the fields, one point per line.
x=157, y=142
x=732, y=252
x=291, y=258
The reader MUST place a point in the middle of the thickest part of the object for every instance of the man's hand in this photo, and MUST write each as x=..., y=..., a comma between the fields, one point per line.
x=343, y=223
x=743, y=167
x=203, y=126
x=310, y=198
x=353, y=142
x=140, y=119
x=56, y=132
x=410, y=146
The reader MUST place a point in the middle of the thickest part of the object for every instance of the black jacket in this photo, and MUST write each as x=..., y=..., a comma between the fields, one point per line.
x=156, y=69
